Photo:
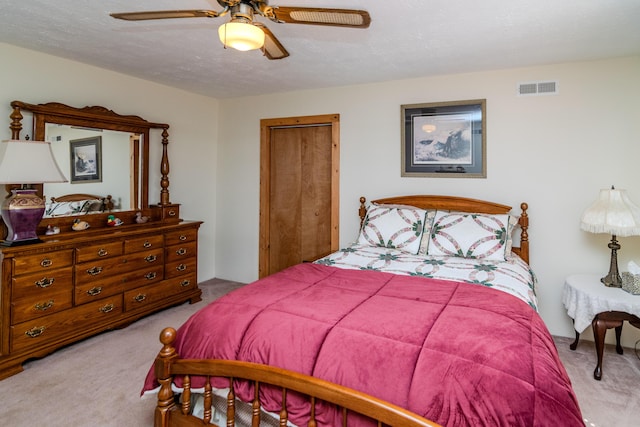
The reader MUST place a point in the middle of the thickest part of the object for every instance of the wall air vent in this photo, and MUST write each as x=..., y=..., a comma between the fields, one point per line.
x=538, y=88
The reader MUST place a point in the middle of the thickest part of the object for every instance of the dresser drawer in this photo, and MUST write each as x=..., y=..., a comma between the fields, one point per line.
x=179, y=237
x=100, y=251
x=113, y=268
x=143, y=243
x=180, y=267
x=35, y=285
x=183, y=283
x=145, y=296
x=42, y=262
x=178, y=252
x=45, y=330
x=41, y=305
x=96, y=290
x=138, y=278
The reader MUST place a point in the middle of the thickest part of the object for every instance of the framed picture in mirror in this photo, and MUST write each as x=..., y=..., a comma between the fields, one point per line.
x=86, y=160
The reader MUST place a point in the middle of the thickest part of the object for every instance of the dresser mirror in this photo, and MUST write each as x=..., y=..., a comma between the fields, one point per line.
x=100, y=153
x=112, y=164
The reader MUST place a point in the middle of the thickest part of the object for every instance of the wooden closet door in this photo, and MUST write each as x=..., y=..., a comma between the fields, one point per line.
x=300, y=208
x=299, y=215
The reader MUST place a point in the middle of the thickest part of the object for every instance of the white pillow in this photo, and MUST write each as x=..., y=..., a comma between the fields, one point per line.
x=471, y=235
x=393, y=226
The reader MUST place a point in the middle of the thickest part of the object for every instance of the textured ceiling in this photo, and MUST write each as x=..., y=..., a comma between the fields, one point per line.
x=406, y=39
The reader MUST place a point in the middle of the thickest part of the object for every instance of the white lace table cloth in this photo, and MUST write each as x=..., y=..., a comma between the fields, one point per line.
x=584, y=296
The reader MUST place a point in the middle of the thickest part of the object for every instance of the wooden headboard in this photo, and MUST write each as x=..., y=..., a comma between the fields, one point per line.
x=107, y=203
x=460, y=204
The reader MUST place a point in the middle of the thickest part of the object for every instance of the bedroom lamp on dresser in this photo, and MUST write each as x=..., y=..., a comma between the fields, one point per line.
x=25, y=162
x=67, y=284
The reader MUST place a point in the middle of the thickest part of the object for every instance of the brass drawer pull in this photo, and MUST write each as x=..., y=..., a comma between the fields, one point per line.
x=185, y=283
x=44, y=306
x=181, y=251
x=172, y=213
x=95, y=291
x=181, y=267
x=94, y=271
x=151, y=258
x=182, y=238
x=46, y=263
x=140, y=297
x=147, y=244
x=35, y=331
x=107, y=308
x=45, y=282
x=150, y=276
x=103, y=252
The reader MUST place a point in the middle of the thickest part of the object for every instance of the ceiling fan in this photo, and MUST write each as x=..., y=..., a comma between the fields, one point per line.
x=242, y=32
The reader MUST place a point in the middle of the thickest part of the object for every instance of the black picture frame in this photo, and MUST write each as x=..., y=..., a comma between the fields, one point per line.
x=86, y=160
x=444, y=139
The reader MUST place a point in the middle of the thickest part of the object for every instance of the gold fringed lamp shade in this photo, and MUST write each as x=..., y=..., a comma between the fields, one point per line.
x=612, y=213
x=25, y=162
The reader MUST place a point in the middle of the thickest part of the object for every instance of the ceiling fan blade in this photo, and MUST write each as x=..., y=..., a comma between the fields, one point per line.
x=320, y=16
x=272, y=47
x=165, y=14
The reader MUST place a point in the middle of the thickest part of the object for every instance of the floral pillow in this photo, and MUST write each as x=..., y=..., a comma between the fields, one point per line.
x=394, y=226
x=471, y=235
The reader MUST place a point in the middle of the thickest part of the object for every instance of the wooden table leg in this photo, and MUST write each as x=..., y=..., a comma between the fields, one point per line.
x=600, y=324
x=618, y=333
x=574, y=344
x=599, y=331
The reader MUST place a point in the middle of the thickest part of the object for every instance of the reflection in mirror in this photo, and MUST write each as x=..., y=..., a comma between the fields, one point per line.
x=110, y=166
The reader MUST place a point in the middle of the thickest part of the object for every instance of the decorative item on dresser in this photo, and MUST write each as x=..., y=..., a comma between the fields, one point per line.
x=432, y=310
x=75, y=284
x=25, y=163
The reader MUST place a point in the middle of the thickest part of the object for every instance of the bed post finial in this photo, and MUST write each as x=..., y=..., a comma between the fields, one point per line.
x=163, y=362
x=363, y=210
x=524, y=234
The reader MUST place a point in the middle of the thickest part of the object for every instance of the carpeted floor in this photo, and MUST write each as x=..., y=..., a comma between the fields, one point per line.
x=614, y=401
x=83, y=384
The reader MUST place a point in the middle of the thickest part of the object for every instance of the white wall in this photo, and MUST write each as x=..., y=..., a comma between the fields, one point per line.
x=37, y=78
x=553, y=152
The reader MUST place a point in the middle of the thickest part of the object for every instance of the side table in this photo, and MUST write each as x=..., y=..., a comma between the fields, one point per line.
x=589, y=301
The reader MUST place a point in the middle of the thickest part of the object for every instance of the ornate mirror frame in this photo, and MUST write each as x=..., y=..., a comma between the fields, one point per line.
x=103, y=118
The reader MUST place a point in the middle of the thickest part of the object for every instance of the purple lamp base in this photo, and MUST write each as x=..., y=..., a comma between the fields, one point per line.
x=22, y=212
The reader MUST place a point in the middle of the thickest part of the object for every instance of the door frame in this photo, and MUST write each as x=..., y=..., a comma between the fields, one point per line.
x=266, y=125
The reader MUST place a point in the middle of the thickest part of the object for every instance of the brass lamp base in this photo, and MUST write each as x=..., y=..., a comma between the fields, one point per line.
x=613, y=279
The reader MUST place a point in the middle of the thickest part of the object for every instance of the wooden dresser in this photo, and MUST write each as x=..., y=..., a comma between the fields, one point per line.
x=78, y=284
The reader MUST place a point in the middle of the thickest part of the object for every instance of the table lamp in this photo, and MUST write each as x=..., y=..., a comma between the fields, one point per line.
x=24, y=163
x=612, y=213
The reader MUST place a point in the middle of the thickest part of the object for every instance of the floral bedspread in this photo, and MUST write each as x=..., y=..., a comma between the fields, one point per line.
x=512, y=276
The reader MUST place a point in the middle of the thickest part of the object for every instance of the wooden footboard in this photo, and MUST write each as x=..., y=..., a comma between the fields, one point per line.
x=169, y=413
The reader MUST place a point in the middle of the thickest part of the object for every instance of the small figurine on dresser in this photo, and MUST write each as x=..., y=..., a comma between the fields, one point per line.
x=112, y=221
x=141, y=219
x=51, y=230
x=79, y=225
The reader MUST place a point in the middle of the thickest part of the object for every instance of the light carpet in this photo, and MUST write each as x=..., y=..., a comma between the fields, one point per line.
x=97, y=382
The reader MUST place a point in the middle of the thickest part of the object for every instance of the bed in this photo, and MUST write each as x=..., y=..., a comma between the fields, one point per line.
x=429, y=318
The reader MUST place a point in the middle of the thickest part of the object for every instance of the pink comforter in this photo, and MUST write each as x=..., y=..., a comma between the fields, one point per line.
x=456, y=353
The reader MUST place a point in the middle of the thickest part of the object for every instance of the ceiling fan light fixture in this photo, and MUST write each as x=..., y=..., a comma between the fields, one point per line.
x=241, y=36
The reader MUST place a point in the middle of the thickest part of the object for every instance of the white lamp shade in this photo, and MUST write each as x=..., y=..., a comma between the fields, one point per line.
x=612, y=213
x=241, y=36
x=28, y=162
